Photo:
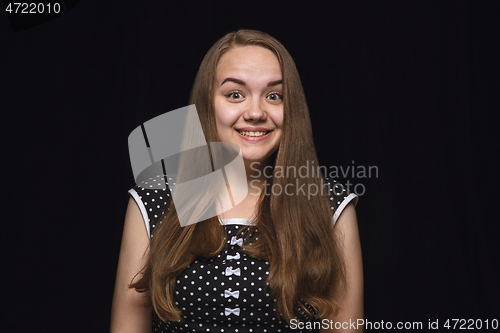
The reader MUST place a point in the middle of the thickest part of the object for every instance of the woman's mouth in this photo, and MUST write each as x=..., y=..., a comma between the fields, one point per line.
x=253, y=134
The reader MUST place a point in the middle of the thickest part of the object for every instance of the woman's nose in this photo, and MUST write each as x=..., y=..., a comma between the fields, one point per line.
x=255, y=112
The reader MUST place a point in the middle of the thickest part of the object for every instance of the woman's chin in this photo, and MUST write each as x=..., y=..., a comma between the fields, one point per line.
x=258, y=162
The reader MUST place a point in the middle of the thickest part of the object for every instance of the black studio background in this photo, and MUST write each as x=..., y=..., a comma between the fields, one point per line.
x=407, y=86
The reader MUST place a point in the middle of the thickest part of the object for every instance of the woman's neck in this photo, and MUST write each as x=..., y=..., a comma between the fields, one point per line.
x=257, y=174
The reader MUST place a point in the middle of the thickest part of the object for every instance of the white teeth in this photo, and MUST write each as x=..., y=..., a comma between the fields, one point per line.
x=252, y=133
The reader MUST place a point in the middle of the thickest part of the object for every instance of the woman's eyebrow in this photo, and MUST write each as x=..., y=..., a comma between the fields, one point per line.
x=240, y=82
x=274, y=83
x=230, y=79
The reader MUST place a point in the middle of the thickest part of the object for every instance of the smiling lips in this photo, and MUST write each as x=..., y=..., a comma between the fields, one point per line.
x=253, y=135
x=256, y=133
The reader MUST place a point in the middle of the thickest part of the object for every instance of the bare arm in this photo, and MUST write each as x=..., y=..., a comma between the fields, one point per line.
x=351, y=301
x=127, y=313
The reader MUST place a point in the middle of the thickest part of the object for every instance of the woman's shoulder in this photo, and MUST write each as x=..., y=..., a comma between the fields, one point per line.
x=152, y=202
x=340, y=196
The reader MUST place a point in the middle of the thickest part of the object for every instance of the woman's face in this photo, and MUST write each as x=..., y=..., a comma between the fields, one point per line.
x=248, y=102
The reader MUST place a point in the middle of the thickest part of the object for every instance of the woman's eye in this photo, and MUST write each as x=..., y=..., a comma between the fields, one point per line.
x=235, y=95
x=274, y=96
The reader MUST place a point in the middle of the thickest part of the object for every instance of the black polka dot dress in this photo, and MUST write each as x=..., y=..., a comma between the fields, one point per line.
x=227, y=293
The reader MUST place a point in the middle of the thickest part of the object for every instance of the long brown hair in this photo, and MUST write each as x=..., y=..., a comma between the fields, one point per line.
x=295, y=231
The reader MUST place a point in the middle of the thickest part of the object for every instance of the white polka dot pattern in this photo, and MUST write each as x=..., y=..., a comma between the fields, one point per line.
x=224, y=294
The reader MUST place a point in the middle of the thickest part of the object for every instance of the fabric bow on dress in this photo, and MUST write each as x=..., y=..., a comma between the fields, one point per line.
x=235, y=241
x=230, y=271
x=228, y=311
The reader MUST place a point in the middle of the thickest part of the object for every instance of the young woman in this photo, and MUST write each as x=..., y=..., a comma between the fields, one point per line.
x=285, y=259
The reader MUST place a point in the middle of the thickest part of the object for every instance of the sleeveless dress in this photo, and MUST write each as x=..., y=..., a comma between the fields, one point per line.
x=226, y=293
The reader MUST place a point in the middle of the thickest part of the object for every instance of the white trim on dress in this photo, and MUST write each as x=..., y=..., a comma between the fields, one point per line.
x=237, y=220
x=142, y=208
x=343, y=205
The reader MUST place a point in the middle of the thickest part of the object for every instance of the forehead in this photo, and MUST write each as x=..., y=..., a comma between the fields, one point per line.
x=249, y=62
